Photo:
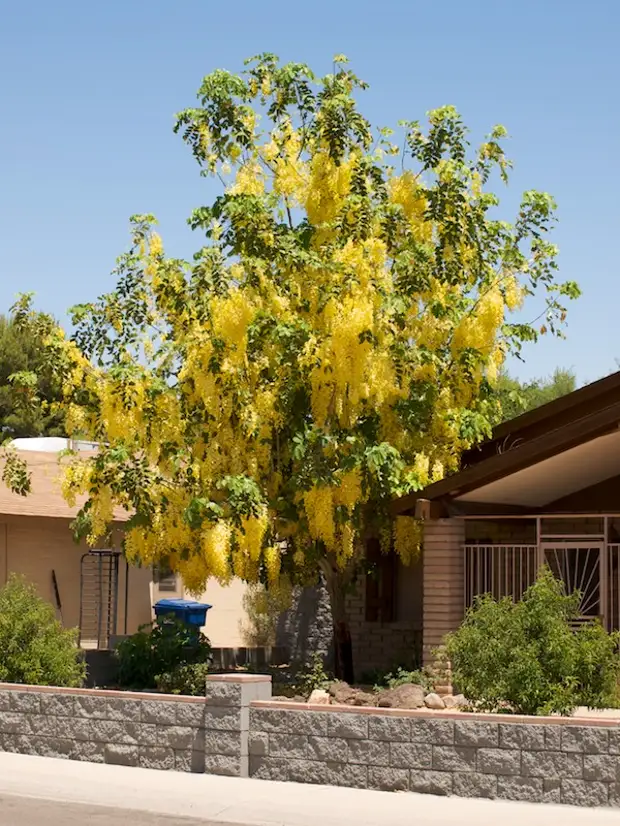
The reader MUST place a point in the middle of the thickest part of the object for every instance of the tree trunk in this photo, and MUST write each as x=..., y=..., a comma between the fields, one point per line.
x=337, y=582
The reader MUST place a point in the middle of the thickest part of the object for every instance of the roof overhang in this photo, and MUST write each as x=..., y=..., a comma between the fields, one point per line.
x=530, y=475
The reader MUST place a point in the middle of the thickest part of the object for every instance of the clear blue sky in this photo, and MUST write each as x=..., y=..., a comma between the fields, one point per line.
x=88, y=92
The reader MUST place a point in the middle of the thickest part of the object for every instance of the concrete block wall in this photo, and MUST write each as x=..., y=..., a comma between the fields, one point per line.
x=236, y=730
x=154, y=731
x=548, y=761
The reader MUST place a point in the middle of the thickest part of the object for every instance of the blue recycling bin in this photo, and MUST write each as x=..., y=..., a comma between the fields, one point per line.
x=191, y=613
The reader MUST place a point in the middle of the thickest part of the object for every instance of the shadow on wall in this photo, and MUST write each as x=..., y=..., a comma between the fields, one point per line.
x=306, y=628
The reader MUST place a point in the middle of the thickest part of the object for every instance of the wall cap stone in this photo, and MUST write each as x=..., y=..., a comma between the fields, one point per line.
x=100, y=692
x=461, y=716
x=239, y=679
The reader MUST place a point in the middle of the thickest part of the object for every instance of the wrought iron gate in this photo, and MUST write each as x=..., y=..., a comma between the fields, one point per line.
x=98, y=598
x=579, y=565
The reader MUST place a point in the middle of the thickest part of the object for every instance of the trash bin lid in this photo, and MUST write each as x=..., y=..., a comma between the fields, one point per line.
x=181, y=604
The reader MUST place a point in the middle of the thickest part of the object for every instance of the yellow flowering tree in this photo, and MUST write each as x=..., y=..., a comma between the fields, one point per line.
x=333, y=344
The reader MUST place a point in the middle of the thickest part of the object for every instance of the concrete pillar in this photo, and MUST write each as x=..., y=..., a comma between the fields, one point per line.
x=228, y=717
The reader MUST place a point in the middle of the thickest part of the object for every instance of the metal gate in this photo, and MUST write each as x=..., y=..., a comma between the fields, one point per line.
x=579, y=565
x=98, y=598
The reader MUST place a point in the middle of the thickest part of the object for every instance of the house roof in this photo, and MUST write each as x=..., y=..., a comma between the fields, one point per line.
x=45, y=498
x=540, y=457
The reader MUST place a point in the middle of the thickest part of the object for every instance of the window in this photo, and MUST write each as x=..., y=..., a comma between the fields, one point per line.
x=164, y=577
x=380, y=583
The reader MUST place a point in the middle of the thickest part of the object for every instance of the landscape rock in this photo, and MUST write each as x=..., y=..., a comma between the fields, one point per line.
x=408, y=695
x=363, y=698
x=319, y=697
x=434, y=701
x=345, y=695
x=455, y=701
x=342, y=692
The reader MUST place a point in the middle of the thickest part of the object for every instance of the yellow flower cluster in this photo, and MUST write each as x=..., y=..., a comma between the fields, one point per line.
x=319, y=507
x=249, y=180
x=407, y=538
x=328, y=187
x=407, y=192
x=349, y=491
x=75, y=480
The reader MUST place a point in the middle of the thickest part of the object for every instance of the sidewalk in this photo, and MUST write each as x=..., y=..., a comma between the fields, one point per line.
x=227, y=800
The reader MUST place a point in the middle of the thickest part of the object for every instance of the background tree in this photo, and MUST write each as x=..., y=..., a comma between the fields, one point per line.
x=517, y=397
x=332, y=345
x=29, y=389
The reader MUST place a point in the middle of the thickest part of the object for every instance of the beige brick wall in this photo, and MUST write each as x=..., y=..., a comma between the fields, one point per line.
x=506, y=531
x=443, y=580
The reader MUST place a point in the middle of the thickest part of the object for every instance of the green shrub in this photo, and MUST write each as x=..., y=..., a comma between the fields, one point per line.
x=312, y=676
x=159, y=649
x=34, y=647
x=185, y=679
x=401, y=676
x=526, y=658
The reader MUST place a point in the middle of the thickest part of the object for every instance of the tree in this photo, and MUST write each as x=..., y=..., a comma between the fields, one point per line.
x=332, y=345
x=29, y=390
x=516, y=397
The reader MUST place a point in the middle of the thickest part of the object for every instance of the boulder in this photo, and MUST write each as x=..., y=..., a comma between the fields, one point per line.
x=363, y=698
x=434, y=701
x=345, y=695
x=408, y=695
x=341, y=692
x=319, y=697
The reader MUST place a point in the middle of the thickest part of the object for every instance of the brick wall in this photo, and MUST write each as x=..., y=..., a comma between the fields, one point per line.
x=384, y=645
x=443, y=580
x=307, y=627
x=502, y=531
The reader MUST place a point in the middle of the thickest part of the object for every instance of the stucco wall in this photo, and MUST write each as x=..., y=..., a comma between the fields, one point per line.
x=36, y=546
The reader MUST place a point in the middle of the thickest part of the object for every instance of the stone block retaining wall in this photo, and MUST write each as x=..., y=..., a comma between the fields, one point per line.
x=555, y=761
x=153, y=731
x=235, y=730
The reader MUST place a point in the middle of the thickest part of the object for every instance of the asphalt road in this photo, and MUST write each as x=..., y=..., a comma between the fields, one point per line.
x=23, y=811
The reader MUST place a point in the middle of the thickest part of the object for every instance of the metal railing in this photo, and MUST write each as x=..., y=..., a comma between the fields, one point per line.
x=613, y=585
x=508, y=570
x=499, y=570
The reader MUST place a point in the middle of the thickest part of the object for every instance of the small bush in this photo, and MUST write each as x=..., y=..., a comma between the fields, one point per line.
x=157, y=650
x=188, y=679
x=313, y=676
x=526, y=658
x=263, y=608
x=34, y=647
x=401, y=676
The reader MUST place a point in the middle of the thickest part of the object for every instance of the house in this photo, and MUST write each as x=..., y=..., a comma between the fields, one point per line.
x=96, y=590
x=92, y=589
x=545, y=489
